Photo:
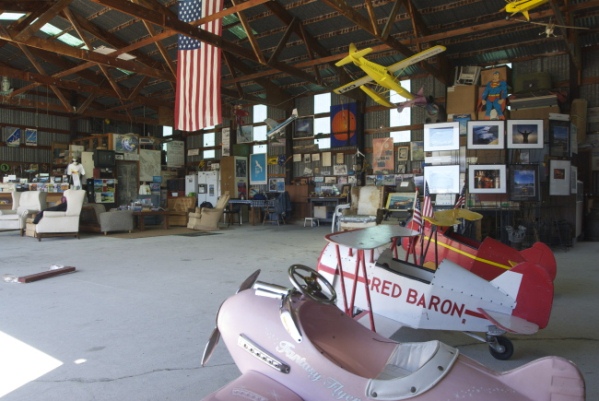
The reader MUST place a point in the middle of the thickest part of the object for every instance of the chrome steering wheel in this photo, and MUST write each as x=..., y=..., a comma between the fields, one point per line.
x=308, y=281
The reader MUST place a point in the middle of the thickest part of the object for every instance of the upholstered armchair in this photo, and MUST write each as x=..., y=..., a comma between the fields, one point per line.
x=95, y=218
x=364, y=210
x=58, y=224
x=24, y=204
x=206, y=219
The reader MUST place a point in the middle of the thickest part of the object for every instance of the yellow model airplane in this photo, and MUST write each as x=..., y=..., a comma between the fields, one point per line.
x=383, y=76
x=522, y=6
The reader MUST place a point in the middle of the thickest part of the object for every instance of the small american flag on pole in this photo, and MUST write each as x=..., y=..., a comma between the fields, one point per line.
x=461, y=199
x=427, y=208
x=197, y=101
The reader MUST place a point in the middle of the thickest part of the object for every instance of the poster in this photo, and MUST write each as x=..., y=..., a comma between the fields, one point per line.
x=258, y=169
x=383, y=162
x=344, y=125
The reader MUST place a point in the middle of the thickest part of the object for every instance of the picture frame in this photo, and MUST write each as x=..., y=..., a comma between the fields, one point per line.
x=524, y=182
x=276, y=185
x=486, y=134
x=559, y=138
x=304, y=127
x=559, y=177
x=487, y=179
x=443, y=179
x=339, y=169
x=402, y=153
x=258, y=169
x=400, y=201
x=318, y=179
x=442, y=136
x=525, y=134
x=417, y=150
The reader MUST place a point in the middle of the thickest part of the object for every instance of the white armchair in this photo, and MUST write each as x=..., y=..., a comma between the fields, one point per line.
x=23, y=205
x=58, y=224
x=364, y=210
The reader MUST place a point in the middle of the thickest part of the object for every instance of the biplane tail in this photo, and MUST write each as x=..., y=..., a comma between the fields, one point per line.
x=542, y=255
x=354, y=55
x=534, y=298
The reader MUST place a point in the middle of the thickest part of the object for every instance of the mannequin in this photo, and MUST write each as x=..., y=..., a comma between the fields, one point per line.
x=75, y=172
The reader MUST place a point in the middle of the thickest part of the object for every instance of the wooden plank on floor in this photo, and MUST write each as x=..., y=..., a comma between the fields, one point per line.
x=50, y=273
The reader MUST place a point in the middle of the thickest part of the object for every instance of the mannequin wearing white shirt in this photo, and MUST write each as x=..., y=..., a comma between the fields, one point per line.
x=76, y=172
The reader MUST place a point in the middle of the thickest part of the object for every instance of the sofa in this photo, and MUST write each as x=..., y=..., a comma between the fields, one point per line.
x=95, y=218
x=24, y=205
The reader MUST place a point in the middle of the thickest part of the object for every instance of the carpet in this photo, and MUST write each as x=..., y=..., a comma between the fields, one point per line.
x=160, y=232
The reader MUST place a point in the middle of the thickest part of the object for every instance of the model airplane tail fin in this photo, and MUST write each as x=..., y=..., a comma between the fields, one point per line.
x=270, y=123
x=534, y=298
x=354, y=55
x=542, y=255
x=525, y=13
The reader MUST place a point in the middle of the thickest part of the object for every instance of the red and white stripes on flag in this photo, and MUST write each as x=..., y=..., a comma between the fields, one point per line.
x=427, y=208
x=461, y=199
x=198, y=100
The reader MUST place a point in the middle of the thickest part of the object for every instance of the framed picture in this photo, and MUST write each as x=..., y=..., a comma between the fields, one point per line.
x=442, y=136
x=487, y=179
x=559, y=177
x=485, y=135
x=442, y=179
x=417, y=150
x=525, y=134
x=559, y=138
x=245, y=134
x=276, y=185
x=258, y=169
x=304, y=127
x=339, y=169
x=524, y=182
x=402, y=153
x=319, y=179
x=401, y=201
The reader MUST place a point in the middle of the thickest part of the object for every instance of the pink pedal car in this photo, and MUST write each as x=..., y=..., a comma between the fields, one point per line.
x=295, y=344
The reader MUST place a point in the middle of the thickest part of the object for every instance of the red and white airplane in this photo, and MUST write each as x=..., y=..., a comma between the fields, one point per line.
x=379, y=289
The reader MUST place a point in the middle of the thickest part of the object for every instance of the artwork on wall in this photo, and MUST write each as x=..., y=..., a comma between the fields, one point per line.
x=403, y=153
x=258, y=168
x=525, y=134
x=304, y=127
x=401, y=201
x=485, y=135
x=524, y=182
x=442, y=179
x=344, y=125
x=442, y=136
x=487, y=179
x=559, y=177
x=382, y=149
x=245, y=134
x=417, y=150
x=559, y=138
x=276, y=185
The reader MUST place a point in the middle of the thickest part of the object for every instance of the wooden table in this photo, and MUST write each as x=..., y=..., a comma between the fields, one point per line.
x=140, y=216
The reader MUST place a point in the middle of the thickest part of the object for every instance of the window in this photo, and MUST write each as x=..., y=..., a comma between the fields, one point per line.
x=259, y=149
x=400, y=119
x=167, y=131
x=209, y=140
x=322, y=125
x=322, y=103
x=259, y=113
x=209, y=154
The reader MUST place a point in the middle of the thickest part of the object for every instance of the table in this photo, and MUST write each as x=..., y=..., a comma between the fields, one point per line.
x=254, y=205
x=140, y=216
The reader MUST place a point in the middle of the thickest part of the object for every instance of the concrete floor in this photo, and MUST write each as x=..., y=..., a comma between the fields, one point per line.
x=132, y=322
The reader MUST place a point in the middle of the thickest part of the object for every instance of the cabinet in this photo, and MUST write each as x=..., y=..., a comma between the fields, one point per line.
x=234, y=176
x=299, y=195
x=324, y=207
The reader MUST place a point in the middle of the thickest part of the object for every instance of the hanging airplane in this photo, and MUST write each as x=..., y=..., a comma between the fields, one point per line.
x=383, y=76
x=276, y=128
x=522, y=6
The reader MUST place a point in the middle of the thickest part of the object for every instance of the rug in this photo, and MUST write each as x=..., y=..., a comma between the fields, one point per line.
x=160, y=232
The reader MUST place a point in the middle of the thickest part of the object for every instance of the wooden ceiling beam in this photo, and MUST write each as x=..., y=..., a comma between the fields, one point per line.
x=41, y=20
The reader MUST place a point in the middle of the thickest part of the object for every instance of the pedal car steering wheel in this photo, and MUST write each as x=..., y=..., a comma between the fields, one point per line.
x=307, y=281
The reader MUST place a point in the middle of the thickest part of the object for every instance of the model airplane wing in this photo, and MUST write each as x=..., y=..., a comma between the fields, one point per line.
x=275, y=128
x=253, y=386
x=509, y=323
x=354, y=84
x=416, y=58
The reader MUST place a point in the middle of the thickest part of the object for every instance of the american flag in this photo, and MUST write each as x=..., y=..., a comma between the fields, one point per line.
x=461, y=199
x=417, y=215
x=197, y=103
x=427, y=208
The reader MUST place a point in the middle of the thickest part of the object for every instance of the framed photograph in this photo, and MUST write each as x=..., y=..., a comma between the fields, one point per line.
x=486, y=134
x=559, y=177
x=417, y=150
x=245, y=134
x=443, y=179
x=402, y=153
x=524, y=182
x=339, y=169
x=442, y=136
x=276, y=185
x=304, y=127
x=401, y=201
x=319, y=179
x=487, y=179
x=559, y=138
x=525, y=134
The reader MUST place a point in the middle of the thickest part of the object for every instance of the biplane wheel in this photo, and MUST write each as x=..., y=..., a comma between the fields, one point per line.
x=308, y=282
x=501, y=348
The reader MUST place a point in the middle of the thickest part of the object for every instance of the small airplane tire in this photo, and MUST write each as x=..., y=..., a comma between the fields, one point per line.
x=508, y=349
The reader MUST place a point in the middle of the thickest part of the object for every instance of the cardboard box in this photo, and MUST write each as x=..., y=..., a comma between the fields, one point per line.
x=505, y=74
x=461, y=99
x=533, y=113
